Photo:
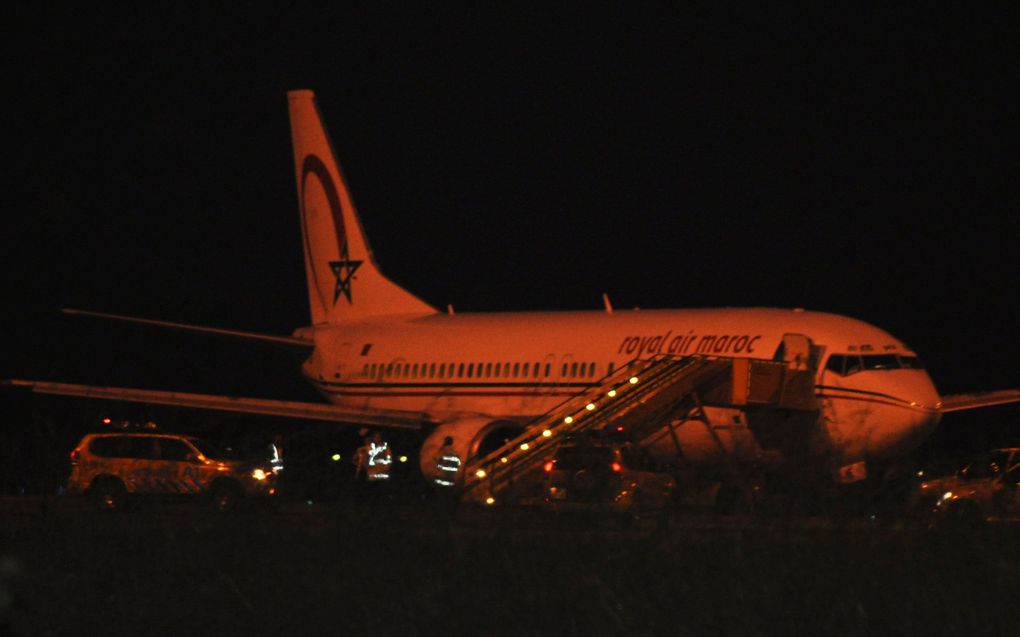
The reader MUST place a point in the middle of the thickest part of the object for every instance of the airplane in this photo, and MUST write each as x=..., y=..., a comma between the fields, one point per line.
x=384, y=358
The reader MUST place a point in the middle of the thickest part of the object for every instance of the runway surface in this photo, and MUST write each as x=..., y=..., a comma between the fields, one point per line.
x=415, y=568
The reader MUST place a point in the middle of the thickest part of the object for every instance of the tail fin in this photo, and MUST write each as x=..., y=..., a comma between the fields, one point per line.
x=343, y=279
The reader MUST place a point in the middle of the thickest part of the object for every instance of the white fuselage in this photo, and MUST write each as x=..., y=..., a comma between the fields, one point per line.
x=518, y=365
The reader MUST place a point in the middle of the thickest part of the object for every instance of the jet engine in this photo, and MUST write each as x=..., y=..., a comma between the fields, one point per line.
x=471, y=437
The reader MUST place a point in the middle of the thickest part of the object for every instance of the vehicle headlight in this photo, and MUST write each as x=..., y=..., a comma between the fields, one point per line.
x=258, y=474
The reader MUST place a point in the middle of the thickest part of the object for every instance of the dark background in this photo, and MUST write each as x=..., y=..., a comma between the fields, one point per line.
x=863, y=164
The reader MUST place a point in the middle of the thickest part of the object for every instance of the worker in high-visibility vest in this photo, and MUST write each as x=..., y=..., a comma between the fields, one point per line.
x=448, y=465
x=379, y=459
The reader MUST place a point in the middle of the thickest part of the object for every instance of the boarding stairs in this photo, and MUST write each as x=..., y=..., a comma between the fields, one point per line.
x=642, y=398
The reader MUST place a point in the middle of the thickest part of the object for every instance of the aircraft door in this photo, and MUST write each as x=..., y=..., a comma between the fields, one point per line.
x=801, y=357
x=798, y=352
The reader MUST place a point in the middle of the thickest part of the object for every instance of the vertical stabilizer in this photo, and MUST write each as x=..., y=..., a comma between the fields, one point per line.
x=343, y=279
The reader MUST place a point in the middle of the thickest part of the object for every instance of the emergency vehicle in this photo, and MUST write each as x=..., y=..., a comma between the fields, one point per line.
x=110, y=467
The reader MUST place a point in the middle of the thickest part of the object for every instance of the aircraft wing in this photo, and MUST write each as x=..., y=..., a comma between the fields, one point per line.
x=959, y=402
x=288, y=341
x=384, y=418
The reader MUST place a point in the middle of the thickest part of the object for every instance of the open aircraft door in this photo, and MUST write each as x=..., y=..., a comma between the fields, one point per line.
x=801, y=356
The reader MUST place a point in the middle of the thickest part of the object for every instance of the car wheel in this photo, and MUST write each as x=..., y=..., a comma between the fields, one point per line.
x=965, y=514
x=108, y=494
x=225, y=496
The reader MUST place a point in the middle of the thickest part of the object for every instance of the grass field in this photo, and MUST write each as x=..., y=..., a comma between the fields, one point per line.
x=347, y=569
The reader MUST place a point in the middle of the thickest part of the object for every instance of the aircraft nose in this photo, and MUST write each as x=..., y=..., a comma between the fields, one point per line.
x=920, y=391
x=924, y=401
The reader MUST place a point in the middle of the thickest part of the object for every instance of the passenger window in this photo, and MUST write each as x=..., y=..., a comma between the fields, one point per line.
x=173, y=450
x=573, y=370
x=517, y=369
x=548, y=369
x=140, y=447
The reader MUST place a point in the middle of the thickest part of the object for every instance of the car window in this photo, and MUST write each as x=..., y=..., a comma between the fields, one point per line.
x=136, y=447
x=106, y=447
x=174, y=450
x=574, y=458
x=981, y=469
x=208, y=449
x=635, y=458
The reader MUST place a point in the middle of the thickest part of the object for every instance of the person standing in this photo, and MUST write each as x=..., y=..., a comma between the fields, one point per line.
x=378, y=459
x=448, y=465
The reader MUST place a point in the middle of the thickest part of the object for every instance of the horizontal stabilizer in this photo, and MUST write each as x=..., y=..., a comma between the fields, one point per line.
x=390, y=419
x=270, y=338
x=959, y=402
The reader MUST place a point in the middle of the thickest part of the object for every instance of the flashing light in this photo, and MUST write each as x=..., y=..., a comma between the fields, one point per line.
x=480, y=473
x=74, y=456
x=590, y=406
x=611, y=393
x=258, y=474
x=619, y=427
x=616, y=467
x=947, y=495
x=106, y=421
x=525, y=446
x=335, y=457
x=633, y=380
x=490, y=500
x=568, y=419
x=547, y=433
x=403, y=458
x=548, y=466
x=504, y=460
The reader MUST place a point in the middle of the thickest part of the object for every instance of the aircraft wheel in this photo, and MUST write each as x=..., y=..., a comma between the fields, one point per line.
x=965, y=514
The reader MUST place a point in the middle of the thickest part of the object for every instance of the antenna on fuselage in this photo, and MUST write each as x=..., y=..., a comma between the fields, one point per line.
x=605, y=301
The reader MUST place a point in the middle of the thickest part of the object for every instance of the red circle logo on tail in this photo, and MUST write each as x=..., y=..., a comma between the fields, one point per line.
x=343, y=268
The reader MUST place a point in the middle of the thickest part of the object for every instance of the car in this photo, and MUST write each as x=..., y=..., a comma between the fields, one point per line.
x=112, y=467
x=606, y=475
x=983, y=490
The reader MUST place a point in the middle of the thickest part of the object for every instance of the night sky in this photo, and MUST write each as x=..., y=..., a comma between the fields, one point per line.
x=510, y=159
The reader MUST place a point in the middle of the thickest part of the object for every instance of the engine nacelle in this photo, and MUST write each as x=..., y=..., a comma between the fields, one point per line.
x=471, y=437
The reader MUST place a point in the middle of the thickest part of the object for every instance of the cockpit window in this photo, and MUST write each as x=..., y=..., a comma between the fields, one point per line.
x=835, y=363
x=910, y=362
x=846, y=364
x=880, y=361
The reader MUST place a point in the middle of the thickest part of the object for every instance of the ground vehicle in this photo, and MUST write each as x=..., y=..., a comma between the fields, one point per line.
x=984, y=490
x=112, y=466
x=597, y=473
